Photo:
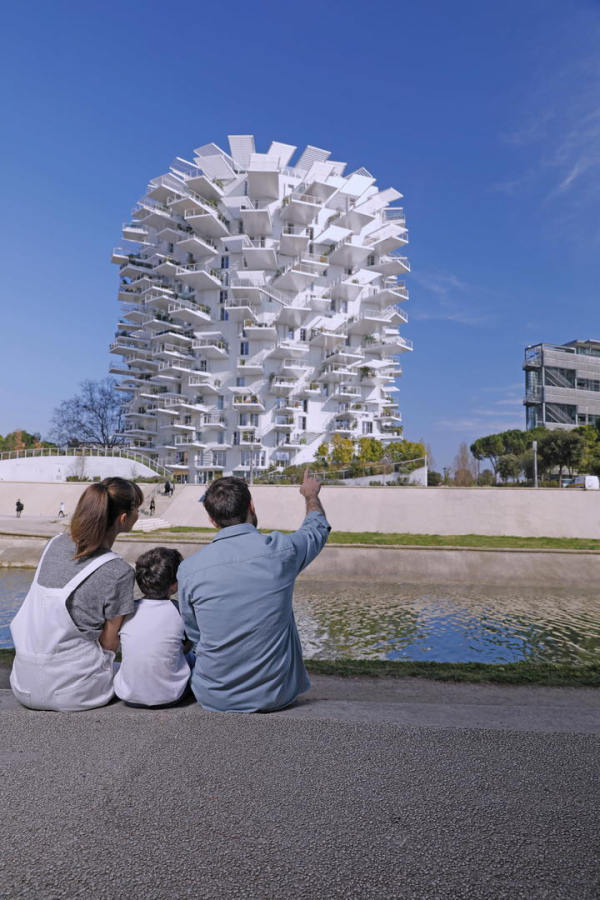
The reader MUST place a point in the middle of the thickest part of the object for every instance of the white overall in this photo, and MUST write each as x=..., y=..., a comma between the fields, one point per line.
x=55, y=667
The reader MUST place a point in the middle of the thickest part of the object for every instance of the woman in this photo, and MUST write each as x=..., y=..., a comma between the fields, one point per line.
x=67, y=630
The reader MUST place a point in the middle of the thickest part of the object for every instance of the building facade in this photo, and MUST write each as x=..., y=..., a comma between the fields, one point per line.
x=562, y=384
x=260, y=310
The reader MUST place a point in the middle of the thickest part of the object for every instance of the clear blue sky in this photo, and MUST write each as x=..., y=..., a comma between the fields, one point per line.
x=485, y=115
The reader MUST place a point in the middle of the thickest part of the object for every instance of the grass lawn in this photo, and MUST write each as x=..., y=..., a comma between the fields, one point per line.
x=473, y=673
x=494, y=542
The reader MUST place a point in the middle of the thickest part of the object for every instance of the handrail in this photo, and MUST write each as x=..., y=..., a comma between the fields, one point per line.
x=86, y=451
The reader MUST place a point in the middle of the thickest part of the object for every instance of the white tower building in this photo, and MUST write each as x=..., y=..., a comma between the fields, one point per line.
x=260, y=310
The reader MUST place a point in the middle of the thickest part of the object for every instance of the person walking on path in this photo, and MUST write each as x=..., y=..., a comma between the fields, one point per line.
x=152, y=507
x=66, y=632
x=61, y=509
x=236, y=601
x=19, y=508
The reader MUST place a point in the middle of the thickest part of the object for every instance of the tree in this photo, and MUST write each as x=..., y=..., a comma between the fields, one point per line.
x=490, y=447
x=370, y=450
x=465, y=468
x=22, y=440
x=486, y=478
x=94, y=416
x=342, y=450
x=433, y=478
x=509, y=466
x=591, y=447
x=562, y=450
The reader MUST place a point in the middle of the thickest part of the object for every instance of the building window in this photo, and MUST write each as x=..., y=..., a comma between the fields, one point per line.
x=224, y=316
x=219, y=457
x=305, y=406
x=221, y=437
x=223, y=295
x=220, y=402
x=240, y=381
x=302, y=422
x=244, y=348
x=224, y=262
x=303, y=334
x=367, y=428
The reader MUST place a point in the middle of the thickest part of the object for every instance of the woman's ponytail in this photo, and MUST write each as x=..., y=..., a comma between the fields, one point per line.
x=98, y=508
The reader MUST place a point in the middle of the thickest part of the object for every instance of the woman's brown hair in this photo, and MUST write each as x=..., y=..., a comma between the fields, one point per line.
x=98, y=508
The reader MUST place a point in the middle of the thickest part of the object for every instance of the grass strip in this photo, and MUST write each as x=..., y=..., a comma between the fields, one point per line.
x=549, y=674
x=376, y=538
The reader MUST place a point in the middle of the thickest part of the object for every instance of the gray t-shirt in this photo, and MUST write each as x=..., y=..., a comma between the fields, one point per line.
x=105, y=594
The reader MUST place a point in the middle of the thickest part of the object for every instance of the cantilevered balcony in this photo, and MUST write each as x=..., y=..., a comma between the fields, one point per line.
x=133, y=231
x=205, y=186
x=333, y=372
x=349, y=252
x=388, y=344
x=213, y=346
x=252, y=365
x=248, y=403
x=152, y=215
x=200, y=276
x=282, y=385
x=387, y=239
x=291, y=441
x=346, y=392
x=369, y=320
x=300, y=208
x=256, y=217
x=207, y=220
x=289, y=347
x=294, y=365
x=263, y=176
x=167, y=267
x=163, y=187
x=344, y=426
x=124, y=346
x=386, y=294
x=214, y=422
x=346, y=288
x=260, y=253
x=323, y=337
x=260, y=331
x=198, y=245
x=197, y=314
x=294, y=240
x=389, y=265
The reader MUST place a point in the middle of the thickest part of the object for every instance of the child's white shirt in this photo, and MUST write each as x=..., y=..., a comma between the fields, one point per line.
x=154, y=670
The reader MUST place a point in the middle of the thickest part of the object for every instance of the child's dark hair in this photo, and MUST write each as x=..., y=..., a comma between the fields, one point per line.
x=156, y=571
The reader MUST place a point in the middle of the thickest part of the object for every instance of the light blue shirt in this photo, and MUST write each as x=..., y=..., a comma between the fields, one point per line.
x=236, y=601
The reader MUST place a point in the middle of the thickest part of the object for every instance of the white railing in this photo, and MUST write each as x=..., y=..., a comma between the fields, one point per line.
x=295, y=364
x=87, y=451
x=199, y=343
x=198, y=267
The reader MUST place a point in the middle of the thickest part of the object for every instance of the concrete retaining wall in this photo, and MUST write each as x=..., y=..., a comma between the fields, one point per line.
x=408, y=565
x=520, y=511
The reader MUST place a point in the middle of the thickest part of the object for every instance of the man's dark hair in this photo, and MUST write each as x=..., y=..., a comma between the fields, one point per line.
x=156, y=571
x=227, y=501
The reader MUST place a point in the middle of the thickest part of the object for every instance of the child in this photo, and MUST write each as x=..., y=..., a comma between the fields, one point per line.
x=154, y=671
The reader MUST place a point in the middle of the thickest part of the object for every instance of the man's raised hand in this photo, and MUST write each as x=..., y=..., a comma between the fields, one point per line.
x=310, y=486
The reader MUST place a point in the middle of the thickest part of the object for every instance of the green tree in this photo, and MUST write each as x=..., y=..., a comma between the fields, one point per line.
x=370, y=450
x=562, y=450
x=486, y=478
x=591, y=447
x=490, y=447
x=434, y=478
x=515, y=441
x=342, y=451
x=509, y=466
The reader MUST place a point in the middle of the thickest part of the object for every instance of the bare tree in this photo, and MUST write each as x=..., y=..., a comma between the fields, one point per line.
x=93, y=416
x=465, y=467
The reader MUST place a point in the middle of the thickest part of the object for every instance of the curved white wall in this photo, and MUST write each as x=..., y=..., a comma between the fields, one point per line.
x=59, y=468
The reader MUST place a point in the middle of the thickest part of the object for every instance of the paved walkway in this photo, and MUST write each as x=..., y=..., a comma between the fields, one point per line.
x=369, y=789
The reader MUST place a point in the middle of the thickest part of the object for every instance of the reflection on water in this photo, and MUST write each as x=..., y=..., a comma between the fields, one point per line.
x=442, y=622
x=446, y=622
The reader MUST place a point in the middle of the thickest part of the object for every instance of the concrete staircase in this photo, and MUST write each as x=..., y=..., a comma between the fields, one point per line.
x=152, y=523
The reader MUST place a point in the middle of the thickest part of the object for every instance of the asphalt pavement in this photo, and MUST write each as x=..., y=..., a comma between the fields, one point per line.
x=314, y=802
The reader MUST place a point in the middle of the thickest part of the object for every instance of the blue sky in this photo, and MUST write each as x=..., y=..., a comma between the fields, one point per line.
x=485, y=115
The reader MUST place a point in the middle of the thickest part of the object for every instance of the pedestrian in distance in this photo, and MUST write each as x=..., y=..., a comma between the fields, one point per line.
x=167, y=488
x=235, y=597
x=152, y=507
x=19, y=508
x=61, y=510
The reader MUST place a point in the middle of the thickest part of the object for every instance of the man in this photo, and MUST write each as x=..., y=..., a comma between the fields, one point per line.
x=236, y=601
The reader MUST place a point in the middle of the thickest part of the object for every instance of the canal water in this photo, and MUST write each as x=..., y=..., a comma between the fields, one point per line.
x=442, y=623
